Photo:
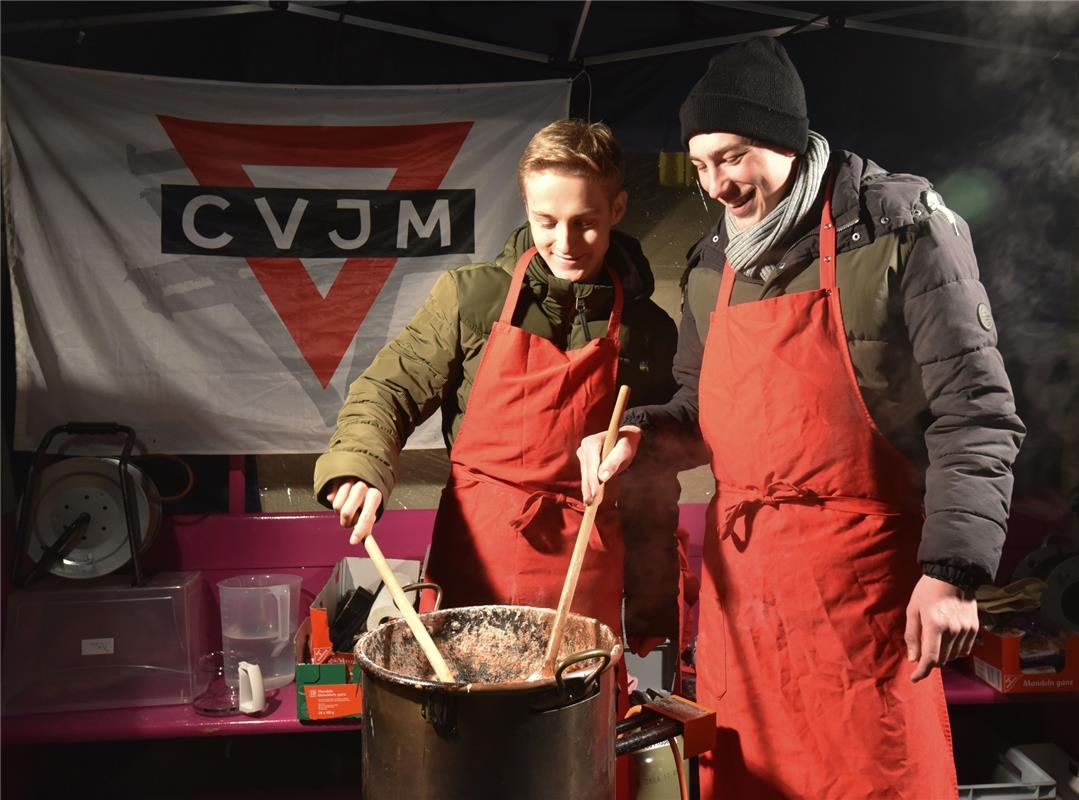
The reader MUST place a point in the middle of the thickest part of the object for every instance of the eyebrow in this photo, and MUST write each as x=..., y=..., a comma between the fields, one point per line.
x=717, y=154
x=587, y=212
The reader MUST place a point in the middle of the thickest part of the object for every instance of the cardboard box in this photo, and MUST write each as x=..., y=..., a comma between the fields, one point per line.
x=328, y=682
x=1013, y=662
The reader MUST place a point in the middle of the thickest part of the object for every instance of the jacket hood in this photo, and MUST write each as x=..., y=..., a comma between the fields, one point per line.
x=867, y=202
x=624, y=255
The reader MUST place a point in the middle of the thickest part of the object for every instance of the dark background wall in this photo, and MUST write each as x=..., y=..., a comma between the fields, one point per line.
x=989, y=115
x=995, y=127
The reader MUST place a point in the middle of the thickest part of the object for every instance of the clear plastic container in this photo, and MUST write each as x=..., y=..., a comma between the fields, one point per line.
x=1015, y=777
x=104, y=643
x=259, y=617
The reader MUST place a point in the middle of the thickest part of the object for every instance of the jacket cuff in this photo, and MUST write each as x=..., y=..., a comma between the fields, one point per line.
x=341, y=464
x=967, y=578
x=637, y=416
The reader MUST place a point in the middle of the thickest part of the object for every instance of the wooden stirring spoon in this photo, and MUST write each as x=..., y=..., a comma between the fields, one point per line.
x=558, y=629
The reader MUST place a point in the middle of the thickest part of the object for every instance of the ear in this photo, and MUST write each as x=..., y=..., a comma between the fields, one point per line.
x=618, y=206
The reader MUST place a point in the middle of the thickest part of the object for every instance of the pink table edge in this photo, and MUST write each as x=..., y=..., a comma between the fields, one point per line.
x=223, y=545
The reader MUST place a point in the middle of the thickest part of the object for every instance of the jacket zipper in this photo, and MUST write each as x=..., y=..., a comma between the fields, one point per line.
x=584, y=318
x=802, y=238
x=806, y=235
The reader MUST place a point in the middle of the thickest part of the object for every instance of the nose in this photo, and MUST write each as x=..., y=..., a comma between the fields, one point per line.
x=723, y=188
x=714, y=183
x=563, y=239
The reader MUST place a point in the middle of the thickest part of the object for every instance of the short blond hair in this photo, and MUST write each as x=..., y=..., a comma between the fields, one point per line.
x=574, y=147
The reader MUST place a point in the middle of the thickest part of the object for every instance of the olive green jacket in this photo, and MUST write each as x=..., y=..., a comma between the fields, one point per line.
x=433, y=362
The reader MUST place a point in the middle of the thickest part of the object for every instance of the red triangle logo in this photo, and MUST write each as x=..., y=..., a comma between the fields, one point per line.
x=421, y=155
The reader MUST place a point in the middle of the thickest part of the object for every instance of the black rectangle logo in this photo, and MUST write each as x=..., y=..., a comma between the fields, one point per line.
x=316, y=223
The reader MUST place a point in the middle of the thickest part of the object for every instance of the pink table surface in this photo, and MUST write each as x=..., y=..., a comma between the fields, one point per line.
x=180, y=721
x=307, y=544
x=162, y=722
x=221, y=546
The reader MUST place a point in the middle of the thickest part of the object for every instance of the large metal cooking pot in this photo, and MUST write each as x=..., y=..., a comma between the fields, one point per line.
x=494, y=733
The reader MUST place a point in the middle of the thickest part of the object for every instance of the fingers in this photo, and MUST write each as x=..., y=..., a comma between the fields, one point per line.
x=620, y=457
x=942, y=624
x=946, y=634
x=593, y=473
x=952, y=638
x=960, y=632
x=930, y=653
x=339, y=495
x=967, y=644
x=348, y=500
x=372, y=500
x=912, y=635
x=588, y=454
x=339, y=486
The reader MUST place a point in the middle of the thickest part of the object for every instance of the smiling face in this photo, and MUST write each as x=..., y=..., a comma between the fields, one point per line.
x=750, y=179
x=571, y=218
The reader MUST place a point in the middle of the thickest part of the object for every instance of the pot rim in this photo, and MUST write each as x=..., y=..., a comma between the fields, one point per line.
x=572, y=680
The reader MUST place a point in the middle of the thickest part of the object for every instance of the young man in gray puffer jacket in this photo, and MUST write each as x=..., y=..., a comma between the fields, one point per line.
x=837, y=353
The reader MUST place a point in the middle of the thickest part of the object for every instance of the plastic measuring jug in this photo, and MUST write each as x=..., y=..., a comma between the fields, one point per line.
x=259, y=617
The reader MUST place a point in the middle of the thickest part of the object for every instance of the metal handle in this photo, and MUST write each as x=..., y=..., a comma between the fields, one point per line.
x=127, y=489
x=426, y=585
x=576, y=658
x=64, y=543
x=644, y=730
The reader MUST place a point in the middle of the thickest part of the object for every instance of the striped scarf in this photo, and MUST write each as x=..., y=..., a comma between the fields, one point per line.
x=744, y=247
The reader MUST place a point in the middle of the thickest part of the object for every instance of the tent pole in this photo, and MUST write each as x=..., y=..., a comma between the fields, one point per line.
x=133, y=19
x=418, y=33
x=865, y=23
x=683, y=47
x=580, y=29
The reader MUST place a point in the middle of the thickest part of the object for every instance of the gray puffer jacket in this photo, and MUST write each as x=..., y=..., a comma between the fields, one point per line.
x=922, y=341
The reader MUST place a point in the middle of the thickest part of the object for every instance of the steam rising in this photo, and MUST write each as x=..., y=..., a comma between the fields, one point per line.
x=1018, y=191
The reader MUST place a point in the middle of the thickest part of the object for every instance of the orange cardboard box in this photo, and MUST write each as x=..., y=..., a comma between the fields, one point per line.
x=1012, y=662
x=327, y=682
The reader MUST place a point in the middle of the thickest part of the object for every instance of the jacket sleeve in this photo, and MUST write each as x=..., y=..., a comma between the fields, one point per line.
x=648, y=492
x=399, y=390
x=672, y=426
x=974, y=433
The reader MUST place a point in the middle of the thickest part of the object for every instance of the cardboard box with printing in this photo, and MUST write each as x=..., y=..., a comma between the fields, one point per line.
x=352, y=602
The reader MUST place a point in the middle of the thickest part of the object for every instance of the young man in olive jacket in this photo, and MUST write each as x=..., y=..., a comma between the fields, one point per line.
x=837, y=354
x=519, y=383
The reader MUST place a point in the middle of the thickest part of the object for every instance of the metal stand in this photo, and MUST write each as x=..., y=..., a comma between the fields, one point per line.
x=127, y=493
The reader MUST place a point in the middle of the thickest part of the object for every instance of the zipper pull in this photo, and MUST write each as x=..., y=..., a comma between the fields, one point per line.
x=584, y=318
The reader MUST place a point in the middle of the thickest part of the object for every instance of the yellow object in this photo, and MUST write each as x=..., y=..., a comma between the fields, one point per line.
x=672, y=169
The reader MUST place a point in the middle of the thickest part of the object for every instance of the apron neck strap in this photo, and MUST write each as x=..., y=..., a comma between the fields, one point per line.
x=827, y=237
x=827, y=250
x=616, y=307
x=514, y=293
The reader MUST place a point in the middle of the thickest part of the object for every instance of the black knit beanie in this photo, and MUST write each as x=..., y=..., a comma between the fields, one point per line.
x=751, y=89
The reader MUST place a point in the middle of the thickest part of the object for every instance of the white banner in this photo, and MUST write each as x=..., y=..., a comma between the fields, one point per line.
x=214, y=263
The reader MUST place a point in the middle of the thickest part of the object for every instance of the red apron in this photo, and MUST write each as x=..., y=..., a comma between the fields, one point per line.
x=809, y=565
x=510, y=513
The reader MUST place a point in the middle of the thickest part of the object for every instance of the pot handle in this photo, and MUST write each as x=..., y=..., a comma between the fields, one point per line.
x=426, y=585
x=576, y=658
x=643, y=730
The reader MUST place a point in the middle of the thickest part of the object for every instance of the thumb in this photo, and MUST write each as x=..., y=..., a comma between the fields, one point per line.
x=368, y=514
x=616, y=461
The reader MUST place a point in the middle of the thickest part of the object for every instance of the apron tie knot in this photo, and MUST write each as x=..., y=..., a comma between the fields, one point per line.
x=534, y=503
x=775, y=493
